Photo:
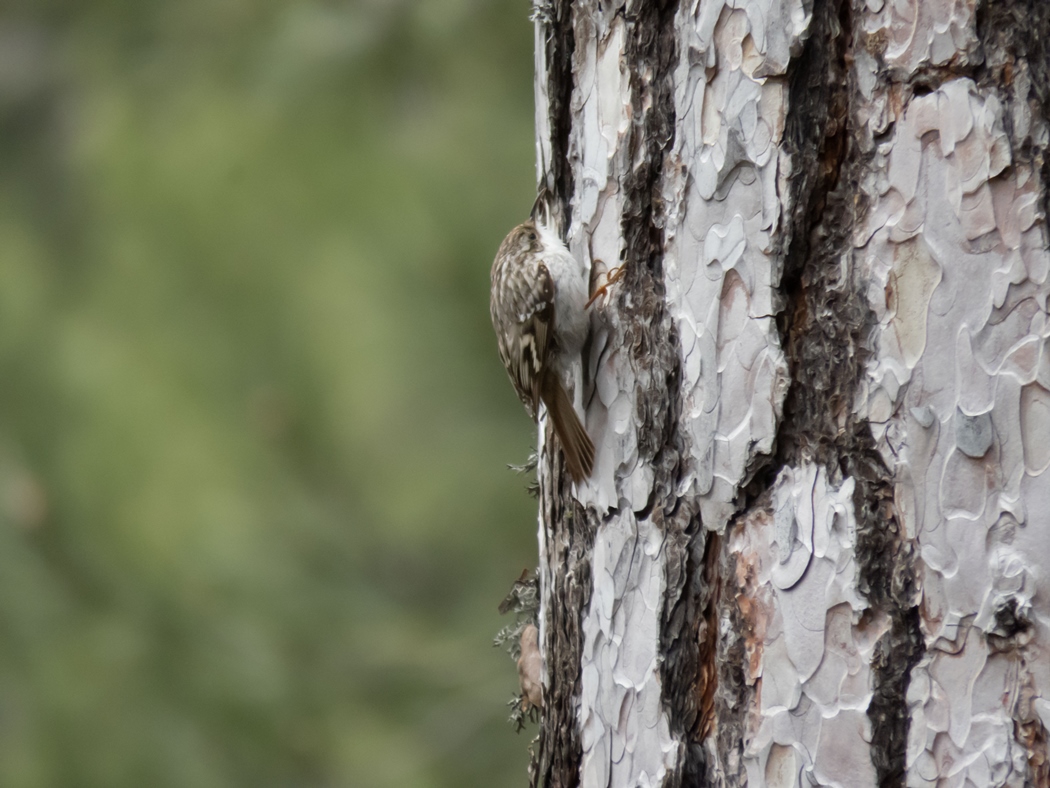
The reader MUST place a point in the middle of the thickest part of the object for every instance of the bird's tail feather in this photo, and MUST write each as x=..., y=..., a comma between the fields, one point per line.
x=575, y=442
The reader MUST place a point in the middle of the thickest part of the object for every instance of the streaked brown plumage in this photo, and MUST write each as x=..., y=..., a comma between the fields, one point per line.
x=539, y=293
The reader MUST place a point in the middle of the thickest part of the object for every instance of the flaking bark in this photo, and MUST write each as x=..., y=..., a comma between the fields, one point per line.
x=753, y=588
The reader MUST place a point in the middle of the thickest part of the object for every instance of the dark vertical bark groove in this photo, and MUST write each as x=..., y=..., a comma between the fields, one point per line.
x=647, y=329
x=651, y=56
x=569, y=528
x=819, y=324
x=826, y=344
x=561, y=44
x=557, y=753
x=732, y=696
x=688, y=641
x=824, y=327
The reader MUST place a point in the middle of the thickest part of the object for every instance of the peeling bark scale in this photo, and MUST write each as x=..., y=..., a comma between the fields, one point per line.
x=815, y=549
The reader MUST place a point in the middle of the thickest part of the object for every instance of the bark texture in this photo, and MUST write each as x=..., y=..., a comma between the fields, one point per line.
x=814, y=549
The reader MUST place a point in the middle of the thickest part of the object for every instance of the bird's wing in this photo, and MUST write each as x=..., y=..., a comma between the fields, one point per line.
x=528, y=340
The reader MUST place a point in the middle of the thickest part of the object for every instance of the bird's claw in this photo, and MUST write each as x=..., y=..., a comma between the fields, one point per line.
x=611, y=277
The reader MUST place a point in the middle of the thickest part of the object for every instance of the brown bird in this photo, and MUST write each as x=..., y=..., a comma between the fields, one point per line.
x=538, y=306
x=530, y=668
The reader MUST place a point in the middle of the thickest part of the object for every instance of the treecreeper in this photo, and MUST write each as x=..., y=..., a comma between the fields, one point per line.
x=538, y=304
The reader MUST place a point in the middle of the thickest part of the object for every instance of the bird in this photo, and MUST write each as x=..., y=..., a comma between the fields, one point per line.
x=538, y=305
x=530, y=668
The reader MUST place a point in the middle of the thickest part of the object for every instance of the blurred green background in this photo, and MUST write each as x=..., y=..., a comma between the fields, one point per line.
x=255, y=517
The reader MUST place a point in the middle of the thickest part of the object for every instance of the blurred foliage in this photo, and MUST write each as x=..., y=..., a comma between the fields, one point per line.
x=255, y=519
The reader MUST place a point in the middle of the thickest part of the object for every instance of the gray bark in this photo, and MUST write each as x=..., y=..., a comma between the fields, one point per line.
x=815, y=547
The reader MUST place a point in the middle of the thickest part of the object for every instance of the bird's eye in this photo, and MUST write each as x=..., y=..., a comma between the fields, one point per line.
x=532, y=236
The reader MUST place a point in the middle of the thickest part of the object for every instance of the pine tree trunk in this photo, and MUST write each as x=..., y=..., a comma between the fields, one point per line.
x=816, y=546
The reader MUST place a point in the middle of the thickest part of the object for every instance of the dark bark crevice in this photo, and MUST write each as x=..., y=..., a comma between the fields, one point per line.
x=815, y=139
x=557, y=751
x=825, y=326
x=648, y=330
x=819, y=339
x=688, y=626
x=739, y=602
x=689, y=643
x=557, y=18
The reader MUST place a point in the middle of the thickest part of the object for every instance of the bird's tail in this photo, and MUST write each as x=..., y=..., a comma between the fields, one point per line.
x=546, y=212
x=579, y=451
x=541, y=209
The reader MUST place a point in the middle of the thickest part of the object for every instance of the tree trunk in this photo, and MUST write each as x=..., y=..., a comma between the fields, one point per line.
x=815, y=549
